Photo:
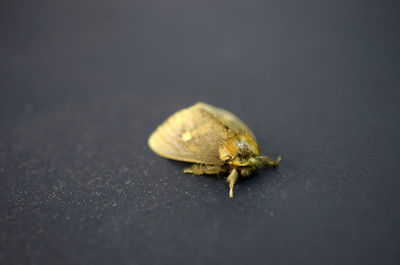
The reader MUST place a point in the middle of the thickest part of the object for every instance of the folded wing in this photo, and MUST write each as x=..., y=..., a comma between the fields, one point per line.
x=195, y=134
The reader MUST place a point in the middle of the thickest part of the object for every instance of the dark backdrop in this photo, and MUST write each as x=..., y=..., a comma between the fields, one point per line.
x=84, y=83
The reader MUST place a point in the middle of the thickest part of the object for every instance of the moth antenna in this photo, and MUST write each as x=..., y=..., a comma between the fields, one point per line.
x=231, y=180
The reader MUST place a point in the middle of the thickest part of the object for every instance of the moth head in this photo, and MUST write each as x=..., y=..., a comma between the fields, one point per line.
x=239, y=150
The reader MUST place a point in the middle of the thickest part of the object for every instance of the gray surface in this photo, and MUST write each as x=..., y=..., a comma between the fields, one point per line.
x=83, y=84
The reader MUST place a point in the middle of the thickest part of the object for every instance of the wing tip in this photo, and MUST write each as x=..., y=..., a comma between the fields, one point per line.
x=151, y=142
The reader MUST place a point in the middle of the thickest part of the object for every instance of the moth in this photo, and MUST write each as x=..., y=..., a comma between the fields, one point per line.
x=213, y=139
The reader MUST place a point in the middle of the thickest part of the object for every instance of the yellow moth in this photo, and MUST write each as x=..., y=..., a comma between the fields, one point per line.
x=213, y=139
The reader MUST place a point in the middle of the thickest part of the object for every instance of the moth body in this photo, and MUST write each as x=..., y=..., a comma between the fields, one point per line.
x=213, y=139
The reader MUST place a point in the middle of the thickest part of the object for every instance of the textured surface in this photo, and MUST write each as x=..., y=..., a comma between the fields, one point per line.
x=84, y=83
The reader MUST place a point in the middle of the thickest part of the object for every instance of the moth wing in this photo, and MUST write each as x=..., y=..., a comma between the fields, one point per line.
x=227, y=118
x=191, y=135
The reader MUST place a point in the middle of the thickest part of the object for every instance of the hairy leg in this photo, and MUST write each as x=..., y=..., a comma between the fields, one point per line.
x=231, y=180
x=247, y=171
x=197, y=169
x=269, y=162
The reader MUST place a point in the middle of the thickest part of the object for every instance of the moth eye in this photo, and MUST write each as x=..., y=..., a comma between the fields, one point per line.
x=244, y=149
x=240, y=144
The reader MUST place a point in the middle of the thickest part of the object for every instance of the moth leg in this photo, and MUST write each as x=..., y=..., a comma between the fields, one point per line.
x=246, y=172
x=231, y=180
x=269, y=162
x=197, y=169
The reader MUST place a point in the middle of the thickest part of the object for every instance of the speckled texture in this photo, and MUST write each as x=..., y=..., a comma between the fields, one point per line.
x=83, y=84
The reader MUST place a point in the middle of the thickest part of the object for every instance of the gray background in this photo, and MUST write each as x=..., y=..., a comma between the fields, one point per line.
x=84, y=83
